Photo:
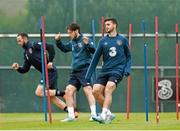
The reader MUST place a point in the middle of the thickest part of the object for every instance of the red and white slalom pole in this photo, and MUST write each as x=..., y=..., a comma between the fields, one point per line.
x=46, y=70
x=129, y=77
x=156, y=72
x=177, y=74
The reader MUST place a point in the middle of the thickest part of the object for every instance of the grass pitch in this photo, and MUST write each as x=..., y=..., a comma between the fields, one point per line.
x=35, y=121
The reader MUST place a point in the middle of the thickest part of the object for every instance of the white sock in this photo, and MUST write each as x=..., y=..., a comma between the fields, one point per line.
x=93, y=110
x=109, y=112
x=71, y=112
x=104, y=113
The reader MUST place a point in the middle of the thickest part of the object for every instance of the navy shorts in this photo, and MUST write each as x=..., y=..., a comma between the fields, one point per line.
x=77, y=79
x=103, y=78
x=52, y=74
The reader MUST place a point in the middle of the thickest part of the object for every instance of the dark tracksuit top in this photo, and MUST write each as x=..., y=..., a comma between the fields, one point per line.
x=116, y=56
x=32, y=56
x=81, y=53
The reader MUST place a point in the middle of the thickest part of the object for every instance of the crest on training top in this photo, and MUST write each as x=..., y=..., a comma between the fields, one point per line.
x=72, y=48
x=119, y=42
x=30, y=50
x=80, y=45
x=105, y=43
x=92, y=43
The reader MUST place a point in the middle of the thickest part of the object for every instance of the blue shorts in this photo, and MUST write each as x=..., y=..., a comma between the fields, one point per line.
x=77, y=79
x=52, y=74
x=103, y=78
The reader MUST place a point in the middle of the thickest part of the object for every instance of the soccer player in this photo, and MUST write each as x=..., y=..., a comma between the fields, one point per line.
x=32, y=56
x=82, y=49
x=117, y=61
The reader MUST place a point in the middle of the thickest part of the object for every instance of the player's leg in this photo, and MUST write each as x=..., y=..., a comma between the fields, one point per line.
x=106, y=116
x=91, y=99
x=106, y=101
x=109, y=89
x=40, y=91
x=59, y=103
x=98, y=92
x=98, y=88
x=88, y=92
x=70, y=90
x=53, y=90
x=75, y=106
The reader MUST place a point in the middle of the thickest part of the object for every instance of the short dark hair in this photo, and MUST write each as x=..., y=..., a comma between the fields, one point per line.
x=111, y=19
x=23, y=35
x=73, y=27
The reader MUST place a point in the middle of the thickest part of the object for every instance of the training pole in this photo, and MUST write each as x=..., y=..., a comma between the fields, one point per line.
x=177, y=73
x=145, y=69
x=156, y=72
x=129, y=77
x=94, y=74
x=102, y=30
x=93, y=39
x=43, y=74
x=46, y=70
x=102, y=26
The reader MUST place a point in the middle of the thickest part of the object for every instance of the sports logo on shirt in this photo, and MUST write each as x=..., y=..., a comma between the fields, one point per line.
x=30, y=50
x=119, y=42
x=27, y=57
x=112, y=51
x=105, y=43
x=39, y=43
x=80, y=45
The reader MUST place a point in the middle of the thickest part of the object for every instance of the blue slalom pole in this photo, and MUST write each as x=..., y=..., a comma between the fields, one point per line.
x=94, y=74
x=145, y=69
x=43, y=74
x=93, y=39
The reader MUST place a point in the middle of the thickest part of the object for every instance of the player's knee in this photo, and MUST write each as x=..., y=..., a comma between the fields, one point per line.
x=39, y=92
x=88, y=90
x=69, y=91
x=96, y=92
x=108, y=90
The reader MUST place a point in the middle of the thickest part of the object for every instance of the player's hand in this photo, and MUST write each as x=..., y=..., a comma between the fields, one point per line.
x=15, y=66
x=57, y=36
x=50, y=65
x=85, y=40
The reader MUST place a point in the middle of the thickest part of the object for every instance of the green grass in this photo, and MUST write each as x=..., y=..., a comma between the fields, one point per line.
x=30, y=121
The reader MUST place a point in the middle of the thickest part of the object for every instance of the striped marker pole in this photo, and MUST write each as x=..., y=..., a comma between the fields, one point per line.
x=177, y=74
x=102, y=26
x=129, y=77
x=43, y=74
x=156, y=72
x=145, y=69
x=46, y=70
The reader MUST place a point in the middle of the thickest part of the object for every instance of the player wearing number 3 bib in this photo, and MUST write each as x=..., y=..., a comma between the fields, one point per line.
x=117, y=62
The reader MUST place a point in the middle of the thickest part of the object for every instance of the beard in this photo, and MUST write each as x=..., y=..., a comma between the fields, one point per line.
x=109, y=30
x=23, y=44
